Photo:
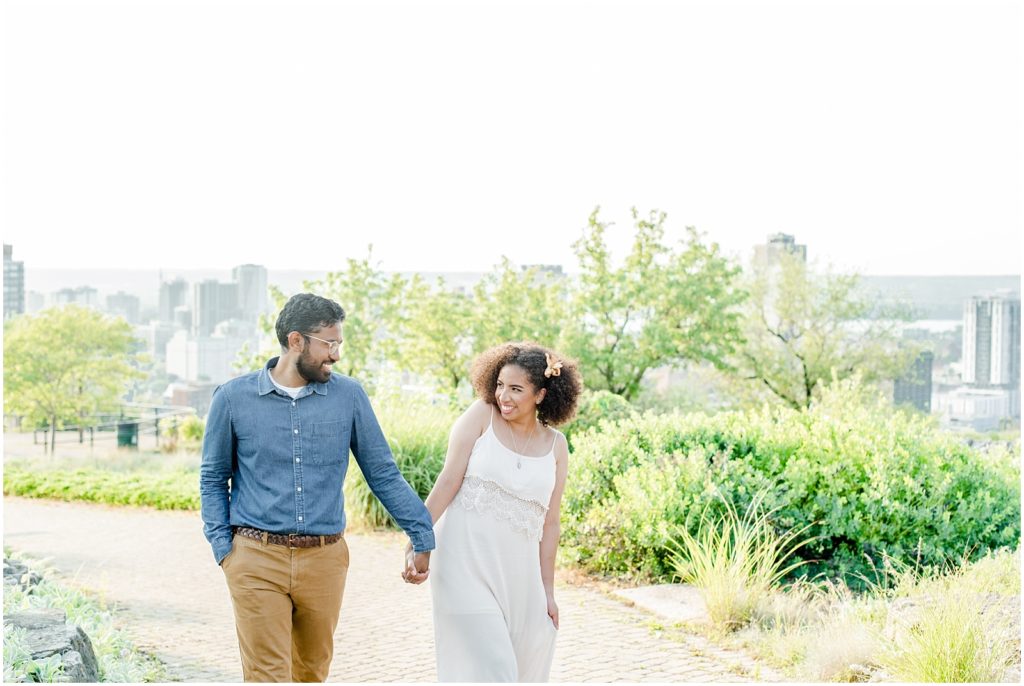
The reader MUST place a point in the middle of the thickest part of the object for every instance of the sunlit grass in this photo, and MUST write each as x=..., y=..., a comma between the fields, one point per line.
x=735, y=561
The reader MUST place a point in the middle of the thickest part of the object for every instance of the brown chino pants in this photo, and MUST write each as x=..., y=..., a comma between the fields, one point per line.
x=287, y=602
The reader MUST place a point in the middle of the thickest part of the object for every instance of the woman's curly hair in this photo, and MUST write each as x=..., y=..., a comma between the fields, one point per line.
x=563, y=391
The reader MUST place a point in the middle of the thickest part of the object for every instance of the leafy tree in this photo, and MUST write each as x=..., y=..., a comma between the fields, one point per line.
x=662, y=306
x=518, y=305
x=436, y=338
x=67, y=364
x=801, y=327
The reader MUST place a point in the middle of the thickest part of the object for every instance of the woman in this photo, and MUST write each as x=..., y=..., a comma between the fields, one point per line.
x=492, y=574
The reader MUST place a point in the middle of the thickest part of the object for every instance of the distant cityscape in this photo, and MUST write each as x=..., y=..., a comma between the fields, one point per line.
x=194, y=324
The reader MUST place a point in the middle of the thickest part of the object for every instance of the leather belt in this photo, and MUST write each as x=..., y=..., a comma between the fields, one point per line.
x=290, y=540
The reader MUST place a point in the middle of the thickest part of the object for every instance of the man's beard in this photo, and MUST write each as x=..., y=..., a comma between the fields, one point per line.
x=310, y=371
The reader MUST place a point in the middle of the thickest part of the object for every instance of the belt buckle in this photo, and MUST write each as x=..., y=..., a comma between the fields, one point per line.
x=293, y=540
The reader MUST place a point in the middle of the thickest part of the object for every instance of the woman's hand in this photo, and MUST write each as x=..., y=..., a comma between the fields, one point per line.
x=553, y=610
x=417, y=566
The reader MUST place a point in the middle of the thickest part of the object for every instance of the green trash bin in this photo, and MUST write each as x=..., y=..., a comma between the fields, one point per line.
x=127, y=435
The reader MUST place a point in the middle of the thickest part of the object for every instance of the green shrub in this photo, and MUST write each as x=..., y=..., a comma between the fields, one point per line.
x=594, y=408
x=869, y=480
x=169, y=490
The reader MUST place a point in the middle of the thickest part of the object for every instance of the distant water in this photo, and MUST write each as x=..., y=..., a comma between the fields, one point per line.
x=935, y=325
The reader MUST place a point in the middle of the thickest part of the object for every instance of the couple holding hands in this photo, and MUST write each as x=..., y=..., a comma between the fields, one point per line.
x=275, y=455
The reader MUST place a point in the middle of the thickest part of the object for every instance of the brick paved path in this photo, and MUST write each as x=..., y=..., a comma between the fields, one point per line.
x=158, y=569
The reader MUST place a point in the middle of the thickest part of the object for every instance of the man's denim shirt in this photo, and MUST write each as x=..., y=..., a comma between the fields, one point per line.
x=278, y=464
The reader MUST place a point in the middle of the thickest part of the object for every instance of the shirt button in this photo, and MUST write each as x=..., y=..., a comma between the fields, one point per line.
x=299, y=489
x=293, y=403
x=296, y=431
x=300, y=518
x=298, y=459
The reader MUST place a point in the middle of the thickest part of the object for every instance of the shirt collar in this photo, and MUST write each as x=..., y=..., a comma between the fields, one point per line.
x=265, y=385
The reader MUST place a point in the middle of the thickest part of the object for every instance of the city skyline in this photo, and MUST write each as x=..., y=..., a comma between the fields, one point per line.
x=469, y=132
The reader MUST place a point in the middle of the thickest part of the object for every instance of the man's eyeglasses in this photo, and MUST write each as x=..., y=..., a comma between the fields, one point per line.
x=332, y=346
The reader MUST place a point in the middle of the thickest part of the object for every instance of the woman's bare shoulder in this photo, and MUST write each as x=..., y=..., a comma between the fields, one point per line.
x=476, y=417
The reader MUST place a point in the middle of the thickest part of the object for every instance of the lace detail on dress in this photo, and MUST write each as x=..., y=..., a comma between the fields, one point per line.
x=487, y=497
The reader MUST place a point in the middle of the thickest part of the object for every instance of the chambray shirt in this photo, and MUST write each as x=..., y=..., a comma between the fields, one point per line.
x=278, y=464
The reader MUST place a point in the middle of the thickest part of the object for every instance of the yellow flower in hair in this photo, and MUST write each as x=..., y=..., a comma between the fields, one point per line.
x=554, y=366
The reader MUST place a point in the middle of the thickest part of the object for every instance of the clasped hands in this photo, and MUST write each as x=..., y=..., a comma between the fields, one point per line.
x=417, y=566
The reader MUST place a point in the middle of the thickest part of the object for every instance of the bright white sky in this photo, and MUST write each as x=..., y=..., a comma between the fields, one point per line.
x=886, y=136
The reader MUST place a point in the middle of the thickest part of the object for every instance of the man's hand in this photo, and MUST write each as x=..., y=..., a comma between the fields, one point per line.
x=417, y=566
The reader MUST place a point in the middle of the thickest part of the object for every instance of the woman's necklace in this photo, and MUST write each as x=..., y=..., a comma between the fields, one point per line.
x=515, y=446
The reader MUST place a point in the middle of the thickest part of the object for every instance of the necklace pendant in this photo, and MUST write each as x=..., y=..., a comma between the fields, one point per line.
x=519, y=463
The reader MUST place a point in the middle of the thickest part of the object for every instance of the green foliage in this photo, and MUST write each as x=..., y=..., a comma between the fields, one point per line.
x=663, y=305
x=417, y=433
x=65, y=365
x=595, y=408
x=518, y=305
x=371, y=302
x=437, y=334
x=734, y=561
x=167, y=490
x=801, y=328
x=182, y=433
x=119, y=661
x=870, y=482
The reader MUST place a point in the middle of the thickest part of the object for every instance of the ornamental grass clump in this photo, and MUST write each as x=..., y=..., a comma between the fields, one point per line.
x=949, y=643
x=956, y=625
x=734, y=560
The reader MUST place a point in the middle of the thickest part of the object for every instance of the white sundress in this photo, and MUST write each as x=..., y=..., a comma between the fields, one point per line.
x=490, y=608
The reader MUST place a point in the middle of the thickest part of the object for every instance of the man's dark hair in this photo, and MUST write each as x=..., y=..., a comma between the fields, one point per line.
x=307, y=313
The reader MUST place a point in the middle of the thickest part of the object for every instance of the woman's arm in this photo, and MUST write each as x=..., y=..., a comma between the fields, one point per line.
x=464, y=433
x=553, y=527
x=466, y=430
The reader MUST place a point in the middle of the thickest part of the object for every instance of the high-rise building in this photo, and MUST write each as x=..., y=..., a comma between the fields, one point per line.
x=213, y=302
x=767, y=255
x=991, y=341
x=86, y=296
x=172, y=294
x=14, y=284
x=252, y=291
x=125, y=305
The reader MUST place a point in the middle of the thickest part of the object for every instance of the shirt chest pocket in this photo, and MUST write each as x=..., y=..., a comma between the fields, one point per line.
x=330, y=442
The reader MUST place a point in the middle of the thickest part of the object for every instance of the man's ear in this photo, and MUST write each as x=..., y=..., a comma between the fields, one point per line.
x=296, y=342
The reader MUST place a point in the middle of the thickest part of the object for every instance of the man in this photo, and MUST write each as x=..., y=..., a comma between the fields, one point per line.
x=275, y=455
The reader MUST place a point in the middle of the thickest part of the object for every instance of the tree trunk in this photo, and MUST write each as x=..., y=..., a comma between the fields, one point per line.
x=53, y=434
